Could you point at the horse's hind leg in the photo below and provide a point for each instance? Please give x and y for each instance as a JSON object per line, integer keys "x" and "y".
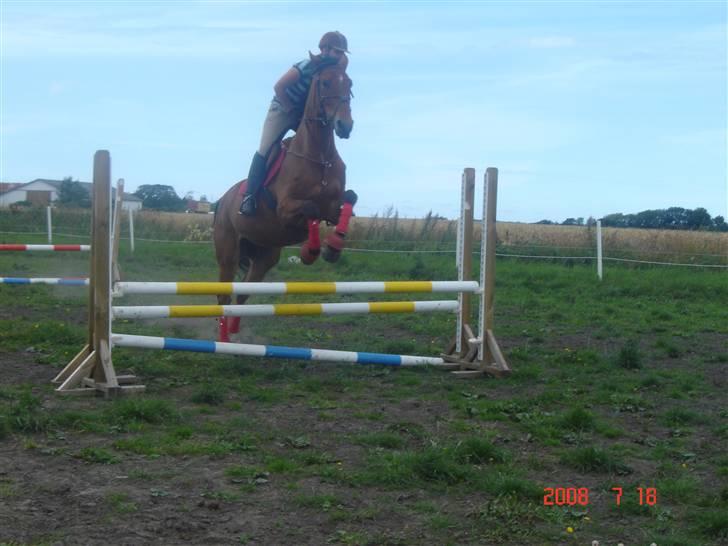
{"x": 247, "y": 252}
{"x": 261, "y": 261}
{"x": 227, "y": 253}
{"x": 265, "y": 259}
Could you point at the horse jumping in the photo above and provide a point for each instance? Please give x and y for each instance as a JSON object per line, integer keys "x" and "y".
{"x": 310, "y": 187}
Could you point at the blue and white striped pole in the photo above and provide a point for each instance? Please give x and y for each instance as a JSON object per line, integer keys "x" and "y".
{"x": 66, "y": 281}
{"x": 271, "y": 351}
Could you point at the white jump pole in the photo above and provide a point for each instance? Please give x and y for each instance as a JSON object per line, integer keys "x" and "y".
{"x": 49, "y": 224}
{"x": 464, "y": 249}
{"x": 131, "y": 229}
{"x": 487, "y": 264}
{"x": 599, "y": 249}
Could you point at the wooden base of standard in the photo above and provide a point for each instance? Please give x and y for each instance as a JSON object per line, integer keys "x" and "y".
{"x": 91, "y": 372}
{"x": 493, "y": 362}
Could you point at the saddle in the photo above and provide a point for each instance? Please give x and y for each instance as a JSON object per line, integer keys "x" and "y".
{"x": 273, "y": 167}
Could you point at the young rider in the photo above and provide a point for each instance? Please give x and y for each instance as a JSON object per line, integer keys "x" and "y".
{"x": 286, "y": 108}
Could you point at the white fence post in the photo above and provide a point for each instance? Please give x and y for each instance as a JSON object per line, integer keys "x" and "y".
{"x": 599, "y": 249}
{"x": 50, "y": 224}
{"x": 131, "y": 228}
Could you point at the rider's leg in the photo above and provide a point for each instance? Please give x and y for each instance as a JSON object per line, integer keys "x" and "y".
{"x": 256, "y": 175}
{"x": 277, "y": 123}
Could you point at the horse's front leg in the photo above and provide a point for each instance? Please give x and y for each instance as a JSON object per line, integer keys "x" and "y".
{"x": 294, "y": 212}
{"x": 311, "y": 249}
{"x": 335, "y": 240}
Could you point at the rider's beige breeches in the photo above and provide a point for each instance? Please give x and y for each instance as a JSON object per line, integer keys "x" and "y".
{"x": 277, "y": 123}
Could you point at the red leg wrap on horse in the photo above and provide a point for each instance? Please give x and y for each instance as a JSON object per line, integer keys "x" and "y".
{"x": 308, "y": 255}
{"x": 314, "y": 242}
{"x": 347, "y": 209}
{"x": 311, "y": 249}
{"x": 234, "y": 325}
{"x": 335, "y": 240}
{"x": 223, "y": 336}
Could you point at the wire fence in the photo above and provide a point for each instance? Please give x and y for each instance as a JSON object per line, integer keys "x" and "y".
{"x": 551, "y": 252}
{"x": 429, "y": 236}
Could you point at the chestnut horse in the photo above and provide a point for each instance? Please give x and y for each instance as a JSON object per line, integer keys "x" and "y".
{"x": 309, "y": 188}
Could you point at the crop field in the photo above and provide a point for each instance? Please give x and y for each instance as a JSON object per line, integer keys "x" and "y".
{"x": 389, "y": 231}
{"x": 613, "y": 426}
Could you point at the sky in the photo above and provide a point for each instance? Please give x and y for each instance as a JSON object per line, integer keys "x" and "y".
{"x": 586, "y": 108}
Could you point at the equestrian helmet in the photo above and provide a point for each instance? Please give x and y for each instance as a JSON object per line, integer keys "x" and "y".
{"x": 334, "y": 40}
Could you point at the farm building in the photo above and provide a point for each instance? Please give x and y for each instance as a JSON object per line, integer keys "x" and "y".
{"x": 202, "y": 206}
{"x": 43, "y": 192}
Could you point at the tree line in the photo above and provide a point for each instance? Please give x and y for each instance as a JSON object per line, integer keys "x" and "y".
{"x": 164, "y": 198}
{"x": 670, "y": 218}
{"x": 154, "y": 196}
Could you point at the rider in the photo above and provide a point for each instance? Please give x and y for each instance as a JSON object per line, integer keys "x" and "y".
{"x": 286, "y": 108}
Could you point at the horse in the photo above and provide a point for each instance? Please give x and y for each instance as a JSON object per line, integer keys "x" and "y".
{"x": 309, "y": 187}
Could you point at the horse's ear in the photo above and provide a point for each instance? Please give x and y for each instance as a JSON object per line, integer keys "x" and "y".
{"x": 311, "y": 56}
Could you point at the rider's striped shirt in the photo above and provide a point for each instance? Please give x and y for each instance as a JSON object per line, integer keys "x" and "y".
{"x": 298, "y": 92}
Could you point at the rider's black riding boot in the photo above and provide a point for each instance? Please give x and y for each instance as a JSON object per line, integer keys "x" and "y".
{"x": 255, "y": 180}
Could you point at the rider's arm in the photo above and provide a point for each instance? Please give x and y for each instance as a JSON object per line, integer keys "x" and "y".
{"x": 287, "y": 80}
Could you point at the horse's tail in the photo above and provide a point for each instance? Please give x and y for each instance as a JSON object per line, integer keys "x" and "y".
{"x": 215, "y": 207}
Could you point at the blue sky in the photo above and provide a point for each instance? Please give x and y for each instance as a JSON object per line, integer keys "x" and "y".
{"x": 586, "y": 108}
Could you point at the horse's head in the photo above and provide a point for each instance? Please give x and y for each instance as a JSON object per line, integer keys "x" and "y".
{"x": 333, "y": 91}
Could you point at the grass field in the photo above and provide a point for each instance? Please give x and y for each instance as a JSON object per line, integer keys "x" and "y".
{"x": 616, "y": 384}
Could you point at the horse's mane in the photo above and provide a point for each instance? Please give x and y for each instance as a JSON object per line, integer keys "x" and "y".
{"x": 320, "y": 62}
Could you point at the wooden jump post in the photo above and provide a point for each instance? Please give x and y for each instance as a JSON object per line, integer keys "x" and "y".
{"x": 477, "y": 354}
{"x": 91, "y": 371}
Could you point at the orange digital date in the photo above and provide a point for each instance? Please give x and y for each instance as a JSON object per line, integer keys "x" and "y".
{"x": 572, "y": 496}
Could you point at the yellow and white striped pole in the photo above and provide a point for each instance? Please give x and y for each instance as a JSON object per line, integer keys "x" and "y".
{"x": 280, "y": 309}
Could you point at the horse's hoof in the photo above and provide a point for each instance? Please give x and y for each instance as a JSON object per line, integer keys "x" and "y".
{"x": 335, "y": 241}
{"x": 309, "y": 255}
{"x": 331, "y": 255}
{"x": 334, "y": 245}
{"x": 350, "y": 196}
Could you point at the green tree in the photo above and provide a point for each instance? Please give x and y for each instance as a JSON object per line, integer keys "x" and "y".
{"x": 73, "y": 194}
{"x": 615, "y": 220}
{"x": 160, "y": 197}
{"x": 699, "y": 219}
{"x": 719, "y": 224}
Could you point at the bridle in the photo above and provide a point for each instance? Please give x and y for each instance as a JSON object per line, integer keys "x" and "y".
{"x": 322, "y": 118}
{"x": 324, "y": 121}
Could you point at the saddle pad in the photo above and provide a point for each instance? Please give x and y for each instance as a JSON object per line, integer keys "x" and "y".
{"x": 273, "y": 171}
